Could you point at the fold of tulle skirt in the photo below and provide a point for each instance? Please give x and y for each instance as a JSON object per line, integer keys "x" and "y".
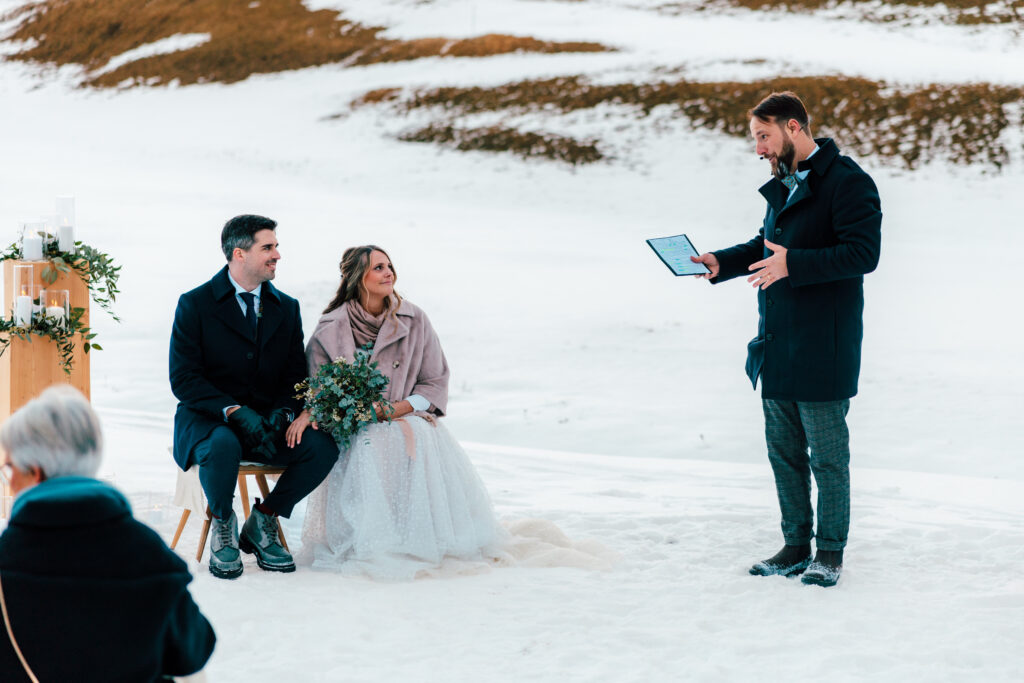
{"x": 405, "y": 501}
{"x": 401, "y": 499}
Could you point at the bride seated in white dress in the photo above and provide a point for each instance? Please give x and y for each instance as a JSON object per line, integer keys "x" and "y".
{"x": 405, "y": 495}
{"x": 404, "y": 500}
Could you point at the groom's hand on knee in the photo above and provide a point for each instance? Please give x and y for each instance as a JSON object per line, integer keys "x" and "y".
{"x": 278, "y": 421}
{"x": 266, "y": 450}
{"x": 253, "y": 430}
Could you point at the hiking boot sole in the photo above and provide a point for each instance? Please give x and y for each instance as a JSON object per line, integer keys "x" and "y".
{"x": 765, "y": 569}
{"x": 823, "y": 579}
{"x": 226, "y": 573}
{"x": 246, "y": 546}
{"x": 813, "y": 580}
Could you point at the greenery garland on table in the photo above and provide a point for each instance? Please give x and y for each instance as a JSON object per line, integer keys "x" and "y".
{"x": 95, "y": 268}
{"x": 63, "y": 333}
{"x": 100, "y": 275}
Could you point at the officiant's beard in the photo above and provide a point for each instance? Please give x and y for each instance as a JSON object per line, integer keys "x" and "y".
{"x": 782, "y": 164}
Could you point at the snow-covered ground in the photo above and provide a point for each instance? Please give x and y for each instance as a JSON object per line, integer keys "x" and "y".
{"x": 591, "y": 387}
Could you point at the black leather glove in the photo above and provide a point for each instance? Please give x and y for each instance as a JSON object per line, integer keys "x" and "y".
{"x": 278, "y": 420}
{"x": 254, "y": 431}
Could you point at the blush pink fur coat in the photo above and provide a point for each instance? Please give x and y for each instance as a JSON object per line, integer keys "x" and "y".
{"x": 407, "y": 351}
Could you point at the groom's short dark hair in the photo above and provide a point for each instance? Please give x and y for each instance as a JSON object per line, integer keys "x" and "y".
{"x": 238, "y": 232}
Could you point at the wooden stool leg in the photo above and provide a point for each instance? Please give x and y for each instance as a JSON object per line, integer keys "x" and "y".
{"x": 243, "y": 489}
{"x": 261, "y": 481}
{"x": 181, "y": 526}
{"x": 280, "y": 532}
{"x": 204, "y": 534}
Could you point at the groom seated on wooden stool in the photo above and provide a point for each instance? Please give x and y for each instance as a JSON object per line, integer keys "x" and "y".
{"x": 236, "y": 356}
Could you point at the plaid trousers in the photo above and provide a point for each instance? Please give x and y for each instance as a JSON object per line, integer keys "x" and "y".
{"x": 791, "y": 428}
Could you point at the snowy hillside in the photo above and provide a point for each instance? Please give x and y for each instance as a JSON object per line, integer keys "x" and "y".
{"x": 590, "y": 387}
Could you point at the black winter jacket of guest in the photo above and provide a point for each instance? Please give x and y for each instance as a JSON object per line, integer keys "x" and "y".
{"x": 216, "y": 362}
{"x": 808, "y": 343}
{"x": 92, "y": 594}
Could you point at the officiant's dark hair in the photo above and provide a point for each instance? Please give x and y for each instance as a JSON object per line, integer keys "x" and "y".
{"x": 354, "y": 263}
{"x": 780, "y": 107}
{"x": 239, "y": 231}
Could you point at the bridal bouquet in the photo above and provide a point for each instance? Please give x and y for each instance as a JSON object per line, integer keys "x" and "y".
{"x": 340, "y": 396}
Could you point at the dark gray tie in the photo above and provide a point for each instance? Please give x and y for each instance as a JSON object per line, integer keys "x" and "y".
{"x": 250, "y": 310}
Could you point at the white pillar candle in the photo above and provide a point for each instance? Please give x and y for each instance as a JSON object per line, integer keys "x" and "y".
{"x": 56, "y": 312}
{"x": 23, "y": 310}
{"x": 65, "y": 211}
{"x": 32, "y": 247}
{"x": 66, "y": 238}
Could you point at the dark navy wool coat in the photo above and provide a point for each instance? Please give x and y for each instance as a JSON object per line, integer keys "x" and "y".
{"x": 94, "y": 595}
{"x": 216, "y": 361}
{"x": 808, "y": 343}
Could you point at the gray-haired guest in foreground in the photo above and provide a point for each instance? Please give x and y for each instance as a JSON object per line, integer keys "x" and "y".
{"x": 821, "y": 234}
{"x": 89, "y": 593}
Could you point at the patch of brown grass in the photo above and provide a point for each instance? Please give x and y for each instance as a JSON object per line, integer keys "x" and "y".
{"x": 482, "y": 46}
{"x": 378, "y": 96}
{"x": 503, "y": 139}
{"x": 968, "y": 12}
{"x": 962, "y": 123}
{"x": 246, "y": 38}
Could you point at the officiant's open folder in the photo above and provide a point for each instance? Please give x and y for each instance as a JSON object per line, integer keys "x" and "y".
{"x": 675, "y": 252}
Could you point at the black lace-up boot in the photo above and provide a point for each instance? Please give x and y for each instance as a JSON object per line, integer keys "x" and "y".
{"x": 825, "y": 569}
{"x": 789, "y": 561}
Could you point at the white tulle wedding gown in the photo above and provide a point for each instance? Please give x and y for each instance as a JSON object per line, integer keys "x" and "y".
{"x": 403, "y": 501}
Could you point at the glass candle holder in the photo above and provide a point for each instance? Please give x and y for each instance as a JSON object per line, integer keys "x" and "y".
{"x": 65, "y": 206}
{"x": 65, "y": 224}
{"x": 32, "y": 240}
{"x": 48, "y": 229}
{"x": 24, "y": 294}
{"x": 56, "y": 304}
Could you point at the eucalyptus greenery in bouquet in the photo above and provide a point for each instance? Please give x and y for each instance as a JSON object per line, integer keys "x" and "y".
{"x": 340, "y": 396}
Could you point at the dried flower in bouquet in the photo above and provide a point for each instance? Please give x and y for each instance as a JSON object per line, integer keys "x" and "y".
{"x": 340, "y": 396}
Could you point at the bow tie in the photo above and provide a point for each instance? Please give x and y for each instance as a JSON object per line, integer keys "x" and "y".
{"x": 790, "y": 182}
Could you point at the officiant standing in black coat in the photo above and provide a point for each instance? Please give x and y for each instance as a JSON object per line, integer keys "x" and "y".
{"x": 821, "y": 234}
{"x": 236, "y": 355}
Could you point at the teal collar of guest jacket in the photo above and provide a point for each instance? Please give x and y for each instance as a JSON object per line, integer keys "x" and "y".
{"x": 226, "y": 297}
{"x": 64, "y": 502}
{"x": 779, "y": 196}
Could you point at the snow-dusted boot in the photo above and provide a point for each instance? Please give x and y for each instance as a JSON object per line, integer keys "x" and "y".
{"x": 789, "y": 561}
{"x": 825, "y": 569}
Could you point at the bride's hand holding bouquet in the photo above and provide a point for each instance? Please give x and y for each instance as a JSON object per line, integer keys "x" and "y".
{"x": 342, "y": 397}
{"x": 391, "y": 411}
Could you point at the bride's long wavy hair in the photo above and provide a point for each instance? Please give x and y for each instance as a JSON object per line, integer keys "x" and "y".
{"x": 354, "y": 263}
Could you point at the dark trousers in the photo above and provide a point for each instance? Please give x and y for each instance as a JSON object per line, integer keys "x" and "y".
{"x": 805, "y": 438}
{"x": 308, "y": 464}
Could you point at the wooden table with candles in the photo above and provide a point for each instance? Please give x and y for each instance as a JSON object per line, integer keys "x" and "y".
{"x": 28, "y": 367}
